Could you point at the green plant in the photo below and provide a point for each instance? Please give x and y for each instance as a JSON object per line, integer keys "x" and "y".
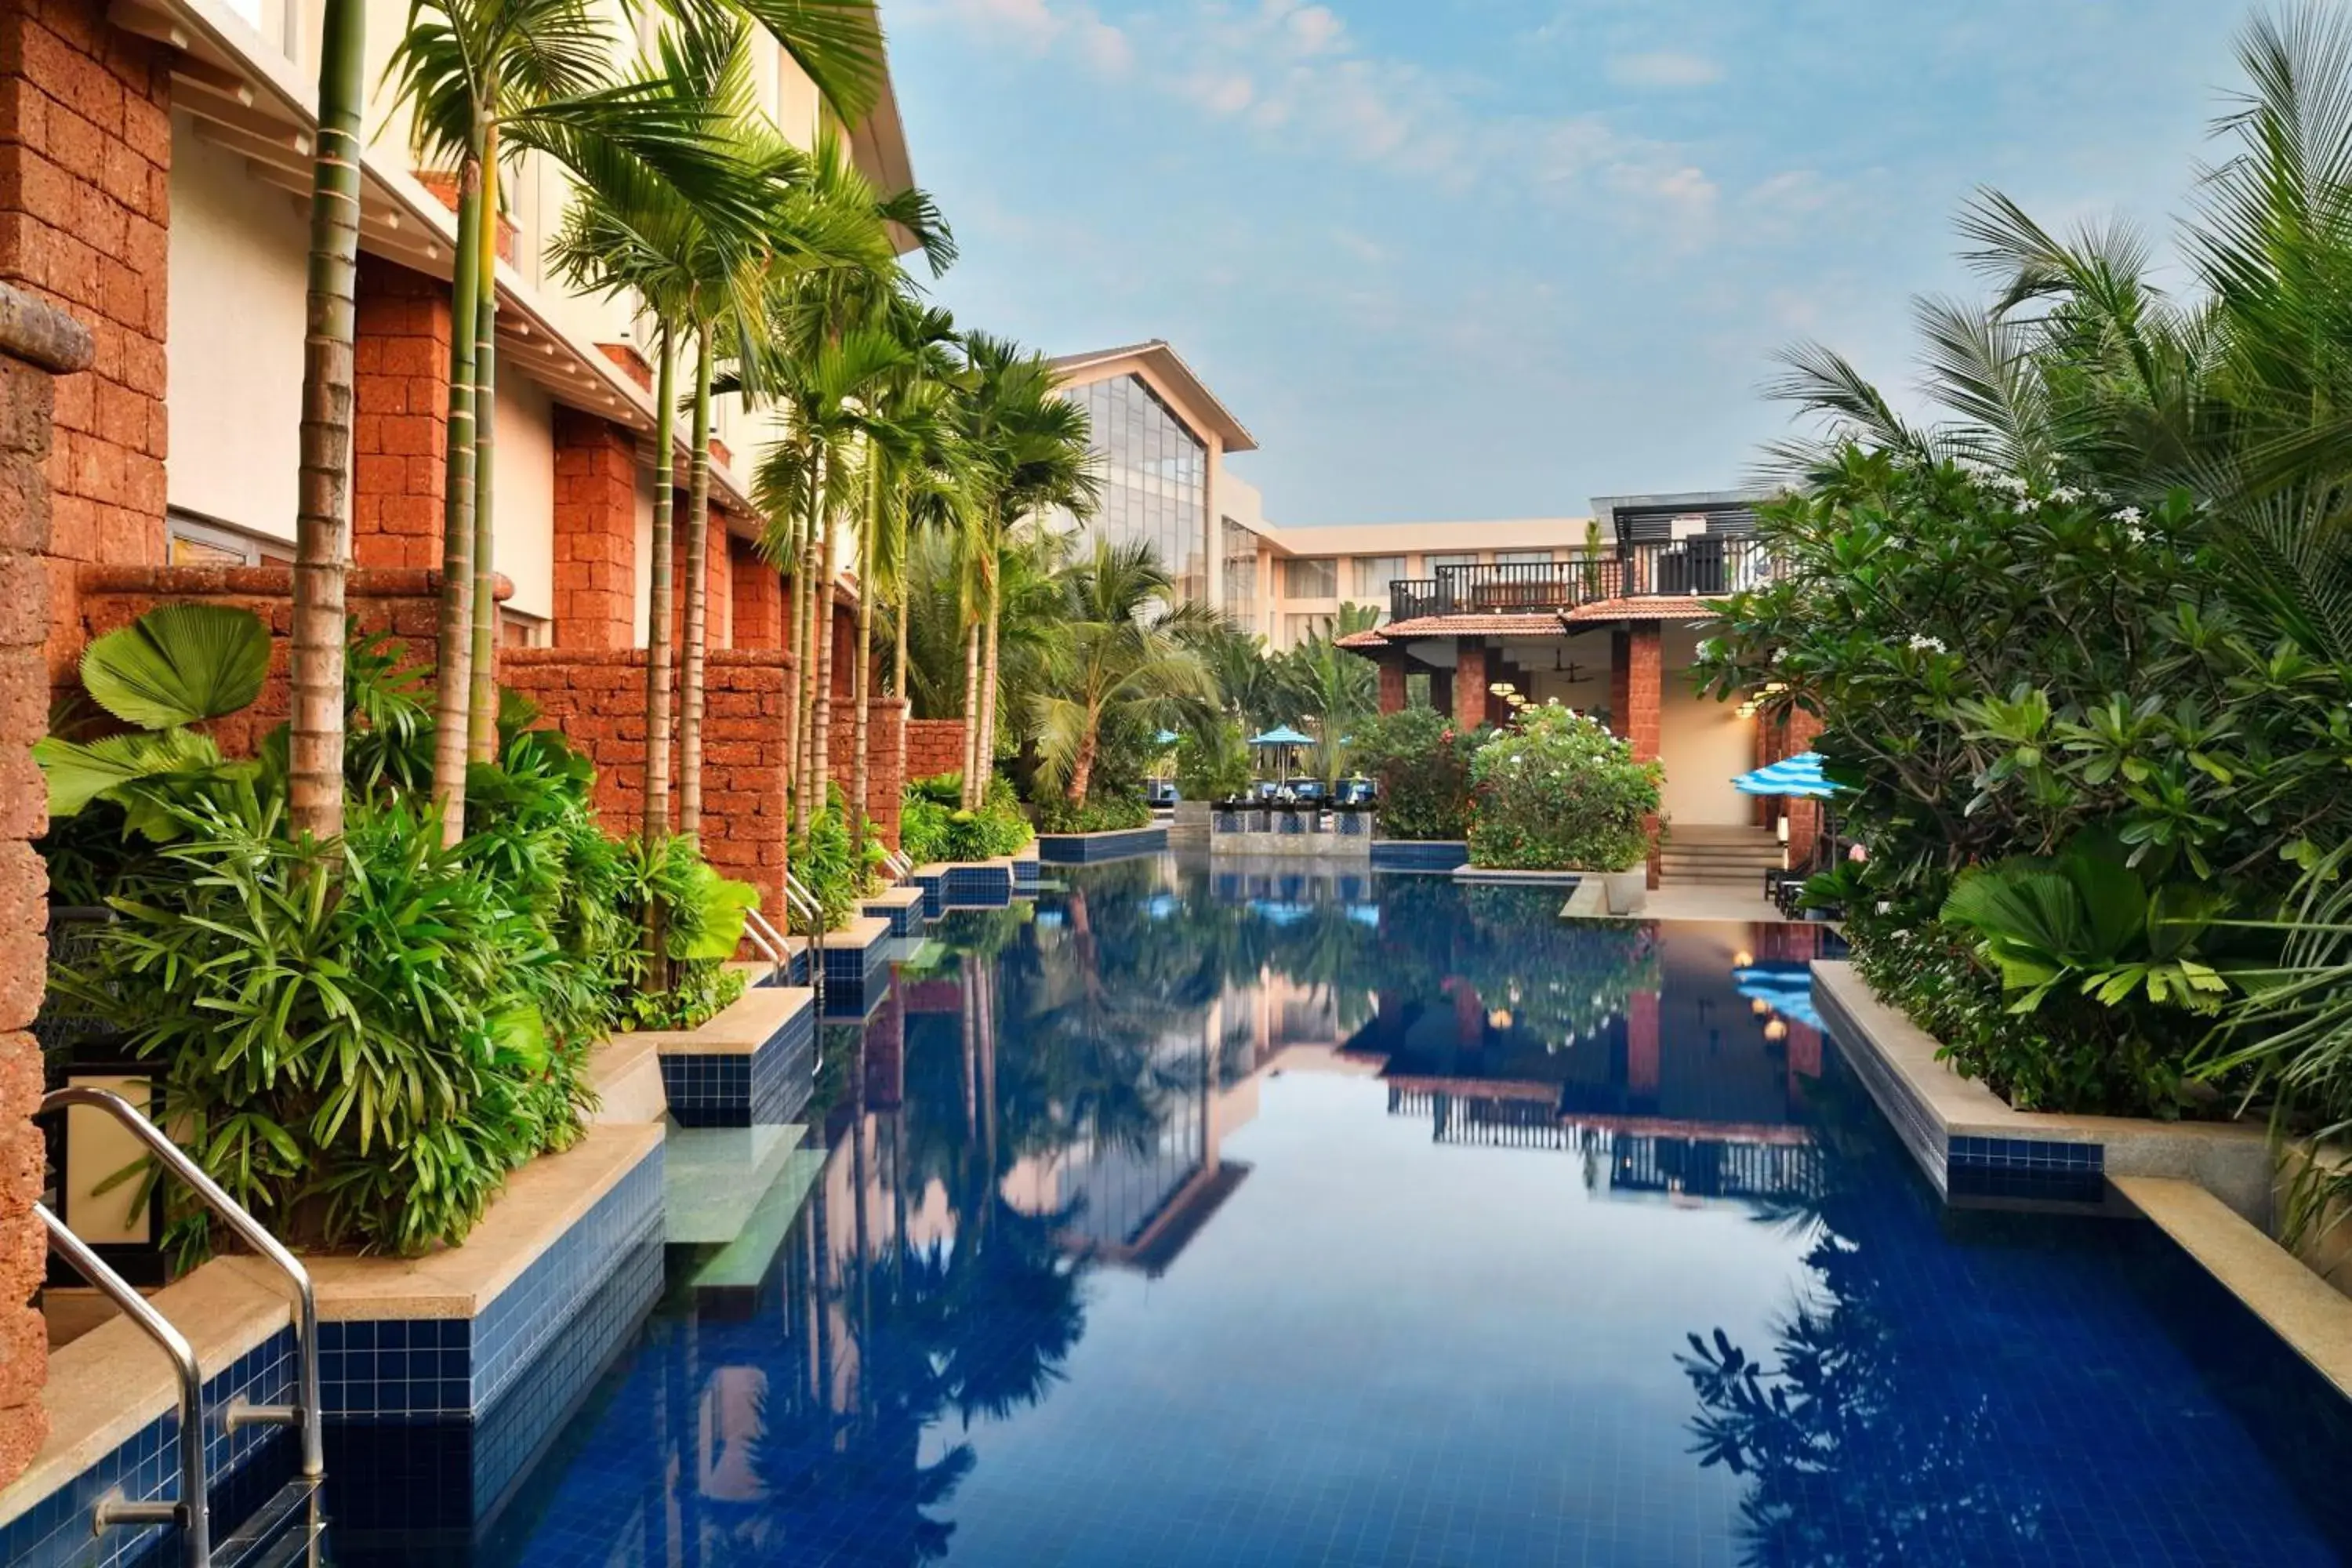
{"x": 1558, "y": 790}
{"x": 1423, "y": 763}
{"x": 337, "y": 1031}
{"x": 1099, "y": 814}
{"x": 2089, "y": 918}
{"x": 704, "y": 988}
{"x": 1212, "y": 759}
{"x": 933, "y": 827}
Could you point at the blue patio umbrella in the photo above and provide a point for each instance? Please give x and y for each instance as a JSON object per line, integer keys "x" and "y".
{"x": 1282, "y": 735}
{"x": 1797, "y": 775}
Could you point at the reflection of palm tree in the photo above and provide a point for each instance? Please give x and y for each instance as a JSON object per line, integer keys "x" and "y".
{"x": 1855, "y": 1454}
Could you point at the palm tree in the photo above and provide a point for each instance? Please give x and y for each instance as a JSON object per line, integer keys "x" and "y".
{"x": 1124, "y": 646}
{"x": 322, "y": 524}
{"x": 1032, "y": 454}
{"x": 1332, "y": 688}
{"x": 493, "y": 77}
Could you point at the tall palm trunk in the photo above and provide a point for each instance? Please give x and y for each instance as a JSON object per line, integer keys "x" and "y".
{"x": 482, "y": 698}
{"x": 862, "y": 677}
{"x": 821, "y": 741}
{"x": 899, "y": 666}
{"x": 698, "y": 600}
{"x": 971, "y": 792}
{"x": 452, "y": 650}
{"x": 989, "y": 677}
{"x": 657, "y": 614}
{"x": 322, "y": 523}
{"x": 792, "y": 575}
{"x": 1082, "y": 771}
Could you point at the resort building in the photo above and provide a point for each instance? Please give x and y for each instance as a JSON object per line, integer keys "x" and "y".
{"x": 155, "y": 183}
{"x": 1161, "y": 439}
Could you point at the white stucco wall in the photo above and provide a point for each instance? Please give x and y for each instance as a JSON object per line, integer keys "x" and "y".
{"x": 524, "y": 485}
{"x": 1703, "y": 743}
{"x": 234, "y": 351}
{"x": 643, "y": 598}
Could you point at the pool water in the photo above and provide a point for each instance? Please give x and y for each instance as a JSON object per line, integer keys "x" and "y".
{"x": 1223, "y": 1218}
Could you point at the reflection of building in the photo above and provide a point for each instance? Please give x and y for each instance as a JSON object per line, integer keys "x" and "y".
{"x": 1687, "y": 1092}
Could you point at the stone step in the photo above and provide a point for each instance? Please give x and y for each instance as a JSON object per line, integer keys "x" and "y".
{"x": 743, "y": 1262}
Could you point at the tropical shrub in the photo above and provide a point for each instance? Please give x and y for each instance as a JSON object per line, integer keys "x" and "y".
{"x": 1212, "y": 761}
{"x": 1098, "y": 813}
{"x": 932, "y": 827}
{"x": 362, "y": 1037}
{"x": 1423, "y": 764}
{"x": 1557, "y": 790}
{"x": 2010, "y": 668}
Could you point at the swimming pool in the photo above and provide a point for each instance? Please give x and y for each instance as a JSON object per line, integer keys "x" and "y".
{"x": 1240, "y": 1218}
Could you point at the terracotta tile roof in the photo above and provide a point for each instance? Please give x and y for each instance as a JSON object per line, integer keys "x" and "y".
{"x": 1648, "y": 607}
{"x": 1525, "y": 625}
{"x": 1360, "y": 639}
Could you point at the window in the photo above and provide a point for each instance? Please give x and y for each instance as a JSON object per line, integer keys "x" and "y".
{"x": 1296, "y": 629}
{"x": 1523, "y": 558}
{"x": 1374, "y": 573}
{"x": 1155, "y": 475}
{"x": 1241, "y": 574}
{"x": 198, "y": 542}
{"x": 1430, "y": 564}
{"x": 1312, "y": 577}
{"x": 518, "y": 630}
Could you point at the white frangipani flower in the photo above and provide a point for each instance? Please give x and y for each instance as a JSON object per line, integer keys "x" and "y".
{"x": 1922, "y": 644}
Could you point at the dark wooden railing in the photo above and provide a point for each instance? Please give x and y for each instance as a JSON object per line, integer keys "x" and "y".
{"x": 1701, "y": 568}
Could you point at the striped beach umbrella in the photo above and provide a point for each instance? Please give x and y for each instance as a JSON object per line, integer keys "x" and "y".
{"x": 1797, "y": 775}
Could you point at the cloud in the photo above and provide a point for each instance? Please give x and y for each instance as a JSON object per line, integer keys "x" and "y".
{"x": 1663, "y": 68}
{"x": 1293, "y": 73}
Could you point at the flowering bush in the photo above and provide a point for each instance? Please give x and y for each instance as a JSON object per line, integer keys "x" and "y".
{"x": 2007, "y": 668}
{"x": 1423, "y": 763}
{"x": 1559, "y": 791}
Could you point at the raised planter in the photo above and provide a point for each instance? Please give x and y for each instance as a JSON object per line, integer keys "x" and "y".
{"x": 463, "y": 1364}
{"x": 857, "y": 967}
{"x": 750, "y": 1066}
{"x": 902, "y": 906}
{"x": 1972, "y": 1145}
{"x": 1419, "y": 854}
{"x": 1087, "y": 848}
{"x": 1190, "y": 822}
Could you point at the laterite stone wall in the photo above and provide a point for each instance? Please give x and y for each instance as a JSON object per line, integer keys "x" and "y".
{"x": 36, "y": 343}
{"x": 84, "y": 226}
{"x": 934, "y": 746}
{"x": 404, "y": 602}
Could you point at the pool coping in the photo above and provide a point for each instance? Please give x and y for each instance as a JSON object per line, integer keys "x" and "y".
{"x": 2311, "y": 1316}
{"x": 1945, "y": 1120}
{"x": 1090, "y": 848}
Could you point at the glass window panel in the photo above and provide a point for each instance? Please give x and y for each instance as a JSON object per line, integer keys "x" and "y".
{"x": 1312, "y": 577}
{"x": 1373, "y": 575}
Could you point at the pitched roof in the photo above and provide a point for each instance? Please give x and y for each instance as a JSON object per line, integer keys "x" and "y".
{"x": 1535, "y": 625}
{"x": 1647, "y": 607}
{"x": 1360, "y": 639}
{"x": 1170, "y": 365}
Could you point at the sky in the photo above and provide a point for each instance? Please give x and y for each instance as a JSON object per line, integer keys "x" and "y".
{"x": 1488, "y": 258}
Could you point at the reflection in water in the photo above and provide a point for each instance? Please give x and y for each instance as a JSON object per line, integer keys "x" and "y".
{"x": 954, "y": 1353}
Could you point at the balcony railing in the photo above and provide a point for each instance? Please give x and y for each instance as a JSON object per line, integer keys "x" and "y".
{"x": 1702, "y": 568}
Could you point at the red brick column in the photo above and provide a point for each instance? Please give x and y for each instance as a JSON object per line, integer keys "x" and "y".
{"x": 1392, "y": 688}
{"x": 1804, "y": 815}
{"x": 400, "y": 424}
{"x": 1470, "y": 678}
{"x": 84, "y": 223}
{"x": 35, "y": 344}
{"x": 596, "y": 533}
{"x": 759, "y": 595}
{"x": 1639, "y": 654}
{"x": 718, "y": 581}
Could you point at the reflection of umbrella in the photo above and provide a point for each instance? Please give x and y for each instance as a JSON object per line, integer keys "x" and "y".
{"x": 1786, "y": 988}
{"x": 1797, "y": 775}
{"x": 1282, "y": 735}
{"x": 1166, "y": 738}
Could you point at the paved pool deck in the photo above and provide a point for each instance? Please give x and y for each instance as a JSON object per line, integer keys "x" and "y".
{"x": 1703, "y": 902}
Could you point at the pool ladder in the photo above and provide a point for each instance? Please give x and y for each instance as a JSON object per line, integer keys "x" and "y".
{"x": 266, "y": 1534}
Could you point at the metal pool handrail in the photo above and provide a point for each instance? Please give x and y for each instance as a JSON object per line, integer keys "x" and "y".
{"x": 763, "y": 935}
{"x": 190, "y": 1513}
{"x": 304, "y": 1413}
